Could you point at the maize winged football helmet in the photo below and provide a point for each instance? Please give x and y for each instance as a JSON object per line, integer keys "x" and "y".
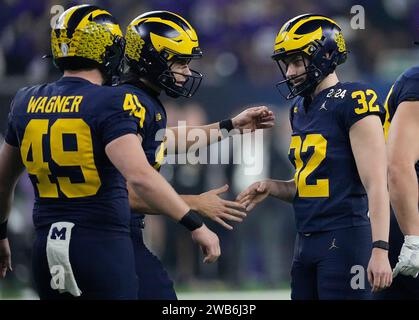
{"x": 155, "y": 40}
{"x": 319, "y": 40}
{"x": 86, "y": 36}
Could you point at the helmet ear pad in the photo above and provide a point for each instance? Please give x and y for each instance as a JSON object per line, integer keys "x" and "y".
{"x": 157, "y": 64}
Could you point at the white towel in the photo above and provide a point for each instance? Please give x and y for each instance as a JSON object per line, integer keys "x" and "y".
{"x": 58, "y": 245}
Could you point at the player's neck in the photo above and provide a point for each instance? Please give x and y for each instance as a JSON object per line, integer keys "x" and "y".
{"x": 94, "y": 76}
{"x": 150, "y": 85}
{"x": 330, "y": 81}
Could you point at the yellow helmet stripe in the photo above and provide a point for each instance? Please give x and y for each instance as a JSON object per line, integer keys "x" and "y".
{"x": 186, "y": 22}
{"x": 141, "y": 18}
{"x": 62, "y": 22}
{"x": 181, "y": 44}
{"x": 312, "y": 18}
{"x": 289, "y": 22}
{"x": 191, "y": 32}
{"x": 283, "y": 38}
{"x": 182, "y": 47}
{"x": 114, "y": 28}
{"x": 302, "y": 21}
{"x": 171, "y": 45}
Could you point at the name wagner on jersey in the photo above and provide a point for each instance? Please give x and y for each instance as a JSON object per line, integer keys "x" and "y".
{"x": 54, "y": 104}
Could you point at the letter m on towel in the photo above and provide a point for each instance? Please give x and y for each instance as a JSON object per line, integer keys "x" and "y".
{"x": 58, "y": 233}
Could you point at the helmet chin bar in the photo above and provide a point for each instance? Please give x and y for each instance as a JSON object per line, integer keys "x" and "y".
{"x": 167, "y": 81}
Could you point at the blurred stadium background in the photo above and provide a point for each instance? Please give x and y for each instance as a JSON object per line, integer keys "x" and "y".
{"x": 237, "y": 38}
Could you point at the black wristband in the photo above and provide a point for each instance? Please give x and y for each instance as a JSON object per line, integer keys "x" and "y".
{"x": 226, "y": 124}
{"x": 3, "y": 230}
{"x": 191, "y": 220}
{"x": 380, "y": 244}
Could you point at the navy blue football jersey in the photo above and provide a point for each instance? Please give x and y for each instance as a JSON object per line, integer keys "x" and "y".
{"x": 152, "y": 122}
{"x": 406, "y": 88}
{"x": 61, "y": 129}
{"x": 330, "y": 194}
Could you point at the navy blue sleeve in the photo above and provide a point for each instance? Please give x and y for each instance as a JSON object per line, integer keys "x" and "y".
{"x": 11, "y": 136}
{"x": 360, "y": 101}
{"x": 408, "y": 90}
{"x": 141, "y": 107}
{"x": 144, "y": 114}
{"x": 116, "y": 120}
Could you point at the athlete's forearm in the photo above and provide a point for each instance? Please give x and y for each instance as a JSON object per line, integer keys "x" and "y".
{"x": 283, "y": 190}
{"x": 379, "y": 211}
{"x": 6, "y": 200}
{"x": 403, "y": 154}
{"x": 153, "y": 188}
{"x": 192, "y": 200}
{"x": 129, "y": 158}
{"x": 180, "y": 139}
{"x": 367, "y": 139}
{"x": 10, "y": 169}
{"x": 138, "y": 204}
{"x": 374, "y": 180}
{"x": 403, "y": 187}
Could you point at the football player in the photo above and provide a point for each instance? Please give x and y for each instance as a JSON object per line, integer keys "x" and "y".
{"x": 339, "y": 191}
{"x": 159, "y": 47}
{"x": 79, "y": 144}
{"x": 401, "y": 130}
